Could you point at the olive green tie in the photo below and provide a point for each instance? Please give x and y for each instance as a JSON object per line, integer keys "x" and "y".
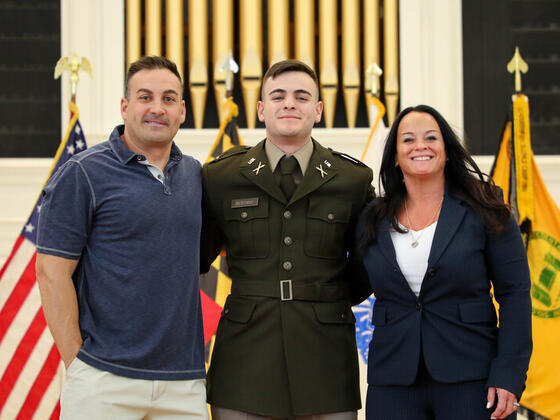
{"x": 288, "y": 165}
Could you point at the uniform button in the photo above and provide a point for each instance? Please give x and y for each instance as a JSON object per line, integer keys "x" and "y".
{"x": 244, "y": 214}
{"x": 159, "y": 177}
{"x": 287, "y": 265}
{"x": 226, "y": 311}
{"x": 418, "y": 306}
{"x": 287, "y": 214}
{"x": 288, "y": 240}
{"x": 330, "y": 216}
{"x": 343, "y": 316}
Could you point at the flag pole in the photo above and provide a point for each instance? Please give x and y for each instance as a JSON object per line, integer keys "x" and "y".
{"x": 517, "y": 65}
{"x": 229, "y": 66}
{"x": 373, "y": 74}
{"x": 73, "y": 65}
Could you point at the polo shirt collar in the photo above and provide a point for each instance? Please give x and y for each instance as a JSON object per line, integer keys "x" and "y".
{"x": 125, "y": 155}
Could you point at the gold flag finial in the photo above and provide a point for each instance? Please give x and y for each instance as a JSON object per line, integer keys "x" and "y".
{"x": 517, "y": 65}
{"x": 74, "y": 65}
{"x": 373, "y": 73}
{"x": 229, "y": 66}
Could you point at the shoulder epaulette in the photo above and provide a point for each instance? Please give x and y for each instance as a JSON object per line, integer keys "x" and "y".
{"x": 348, "y": 157}
{"x": 236, "y": 150}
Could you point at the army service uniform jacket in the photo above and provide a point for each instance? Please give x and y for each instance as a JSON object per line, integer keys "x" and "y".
{"x": 285, "y": 344}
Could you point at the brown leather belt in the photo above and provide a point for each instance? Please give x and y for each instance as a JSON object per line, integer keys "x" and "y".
{"x": 288, "y": 290}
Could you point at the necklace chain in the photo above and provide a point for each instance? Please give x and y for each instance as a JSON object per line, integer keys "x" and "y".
{"x": 414, "y": 243}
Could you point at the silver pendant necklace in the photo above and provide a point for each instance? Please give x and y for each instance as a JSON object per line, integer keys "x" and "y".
{"x": 415, "y": 240}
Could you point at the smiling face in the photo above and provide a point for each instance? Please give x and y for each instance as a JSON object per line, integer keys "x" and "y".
{"x": 153, "y": 109}
{"x": 290, "y": 107}
{"x": 420, "y": 146}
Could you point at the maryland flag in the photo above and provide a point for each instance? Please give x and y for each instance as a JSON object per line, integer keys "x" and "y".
{"x": 516, "y": 172}
{"x": 215, "y": 286}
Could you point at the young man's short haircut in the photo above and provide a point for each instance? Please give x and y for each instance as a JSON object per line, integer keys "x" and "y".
{"x": 151, "y": 62}
{"x": 287, "y": 66}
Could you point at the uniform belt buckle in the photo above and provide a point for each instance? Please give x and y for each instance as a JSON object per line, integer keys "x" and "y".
{"x": 286, "y": 290}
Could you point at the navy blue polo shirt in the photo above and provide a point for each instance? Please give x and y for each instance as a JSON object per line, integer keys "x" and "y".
{"x": 137, "y": 242}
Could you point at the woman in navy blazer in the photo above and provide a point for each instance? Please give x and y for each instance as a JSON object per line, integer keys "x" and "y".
{"x": 432, "y": 248}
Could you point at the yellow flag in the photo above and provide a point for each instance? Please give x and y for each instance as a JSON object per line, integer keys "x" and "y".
{"x": 525, "y": 190}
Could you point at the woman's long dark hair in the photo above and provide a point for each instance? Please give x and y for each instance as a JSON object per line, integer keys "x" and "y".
{"x": 463, "y": 180}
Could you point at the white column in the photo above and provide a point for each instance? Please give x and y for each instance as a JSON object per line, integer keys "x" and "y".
{"x": 94, "y": 29}
{"x": 431, "y": 57}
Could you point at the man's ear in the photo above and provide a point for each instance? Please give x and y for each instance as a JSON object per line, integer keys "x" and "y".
{"x": 183, "y": 112}
{"x": 319, "y": 111}
{"x": 124, "y": 107}
{"x": 260, "y": 111}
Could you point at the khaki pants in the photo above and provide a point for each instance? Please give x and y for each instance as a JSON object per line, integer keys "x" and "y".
{"x": 90, "y": 393}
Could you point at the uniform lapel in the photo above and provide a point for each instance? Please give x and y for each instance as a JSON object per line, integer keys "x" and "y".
{"x": 450, "y": 217}
{"x": 321, "y": 169}
{"x": 256, "y": 168}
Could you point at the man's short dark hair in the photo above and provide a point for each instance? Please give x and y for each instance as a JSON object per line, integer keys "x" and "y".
{"x": 286, "y": 66}
{"x": 151, "y": 62}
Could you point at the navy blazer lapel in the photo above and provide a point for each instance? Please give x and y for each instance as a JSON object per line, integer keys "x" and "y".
{"x": 450, "y": 217}
{"x": 385, "y": 243}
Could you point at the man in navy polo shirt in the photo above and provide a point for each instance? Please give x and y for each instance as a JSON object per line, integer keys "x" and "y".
{"x": 118, "y": 263}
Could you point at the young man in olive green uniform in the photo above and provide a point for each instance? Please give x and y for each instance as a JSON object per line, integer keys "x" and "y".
{"x": 285, "y": 210}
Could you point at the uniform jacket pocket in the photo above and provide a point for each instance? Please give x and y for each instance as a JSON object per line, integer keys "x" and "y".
{"x": 248, "y": 226}
{"x": 238, "y": 310}
{"x": 326, "y": 225}
{"x": 334, "y": 313}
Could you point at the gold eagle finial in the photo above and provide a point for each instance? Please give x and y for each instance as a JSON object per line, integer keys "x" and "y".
{"x": 74, "y": 65}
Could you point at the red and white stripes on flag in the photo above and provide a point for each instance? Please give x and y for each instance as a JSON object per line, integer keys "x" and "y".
{"x": 30, "y": 365}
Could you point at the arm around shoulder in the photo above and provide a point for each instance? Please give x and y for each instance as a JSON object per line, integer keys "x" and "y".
{"x": 211, "y": 238}
{"x": 356, "y": 273}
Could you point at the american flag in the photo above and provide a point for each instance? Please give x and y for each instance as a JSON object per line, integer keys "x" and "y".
{"x": 30, "y": 365}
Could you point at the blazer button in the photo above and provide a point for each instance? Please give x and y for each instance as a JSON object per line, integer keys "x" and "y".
{"x": 431, "y": 272}
{"x": 287, "y": 265}
{"x": 418, "y": 306}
